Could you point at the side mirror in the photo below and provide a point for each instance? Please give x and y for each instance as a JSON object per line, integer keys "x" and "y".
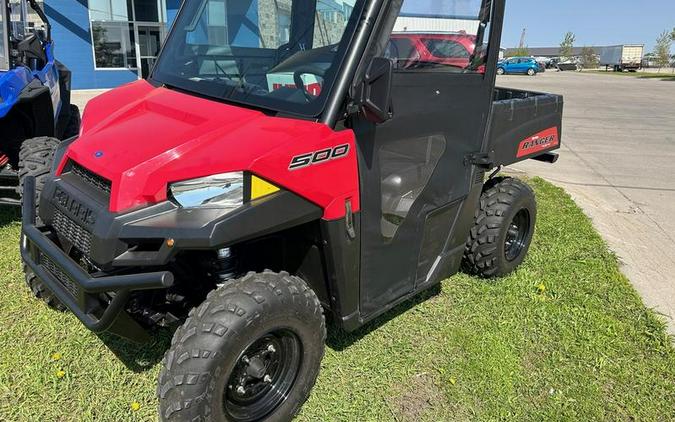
{"x": 376, "y": 101}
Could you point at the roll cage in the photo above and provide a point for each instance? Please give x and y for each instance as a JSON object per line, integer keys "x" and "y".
{"x": 15, "y": 33}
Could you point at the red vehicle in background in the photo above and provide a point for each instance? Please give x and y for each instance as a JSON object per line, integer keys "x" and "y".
{"x": 415, "y": 49}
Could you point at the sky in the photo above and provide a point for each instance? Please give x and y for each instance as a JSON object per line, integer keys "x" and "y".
{"x": 595, "y": 22}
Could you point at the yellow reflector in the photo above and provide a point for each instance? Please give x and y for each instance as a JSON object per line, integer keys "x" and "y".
{"x": 260, "y": 188}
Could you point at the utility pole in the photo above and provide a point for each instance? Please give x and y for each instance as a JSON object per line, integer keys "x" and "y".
{"x": 522, "y": 39}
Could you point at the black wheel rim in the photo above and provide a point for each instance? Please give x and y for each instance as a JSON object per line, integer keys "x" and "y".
{"x": 263, "y": 376}
{"x": 516, "y": 235}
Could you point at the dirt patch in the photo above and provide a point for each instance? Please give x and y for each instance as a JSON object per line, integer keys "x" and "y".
{"x": 421, "y": 394}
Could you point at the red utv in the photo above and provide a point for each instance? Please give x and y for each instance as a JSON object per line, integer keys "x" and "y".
{"x": 277, "y": 169}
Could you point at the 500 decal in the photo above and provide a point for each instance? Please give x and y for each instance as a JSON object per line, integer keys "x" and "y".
{"x": 318, "y": 157}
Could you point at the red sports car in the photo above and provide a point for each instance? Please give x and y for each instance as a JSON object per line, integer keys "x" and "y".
{"x": 423, "y": 49}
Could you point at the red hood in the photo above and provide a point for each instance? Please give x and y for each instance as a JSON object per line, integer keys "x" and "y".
{"x": 142, "y": 138}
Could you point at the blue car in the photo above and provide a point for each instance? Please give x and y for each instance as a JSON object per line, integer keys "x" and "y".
{"x": 35, "y": 109}
{"x": 522, "y": 65}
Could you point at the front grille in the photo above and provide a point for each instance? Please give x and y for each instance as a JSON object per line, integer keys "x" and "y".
{"x": 91, "y": 178}
{"x": 58, "y": 273}
{"x": 75, "y": 234}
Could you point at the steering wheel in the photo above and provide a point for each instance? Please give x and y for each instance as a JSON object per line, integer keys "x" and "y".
{"x": 304, "y": 70}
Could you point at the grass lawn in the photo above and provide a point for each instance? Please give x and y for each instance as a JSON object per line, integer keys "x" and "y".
{"x": 564, "y": 338}
{"x": 666, "y": 74}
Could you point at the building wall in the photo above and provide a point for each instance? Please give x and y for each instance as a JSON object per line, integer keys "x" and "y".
{"x": 71, "y": 31}
{"x": 423, "y": 24}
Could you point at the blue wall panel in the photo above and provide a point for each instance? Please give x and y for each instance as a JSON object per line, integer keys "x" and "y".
{"x": 172, "y": 7}
{"x": 72, "y": 36}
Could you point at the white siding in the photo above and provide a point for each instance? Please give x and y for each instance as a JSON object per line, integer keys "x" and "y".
{"x": 410, "y": 24}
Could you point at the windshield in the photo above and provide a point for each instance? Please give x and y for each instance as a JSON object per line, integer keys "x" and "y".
{"x": 282, "y": 55}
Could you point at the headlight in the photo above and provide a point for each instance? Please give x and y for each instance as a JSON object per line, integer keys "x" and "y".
{"x": 221, "y": 190}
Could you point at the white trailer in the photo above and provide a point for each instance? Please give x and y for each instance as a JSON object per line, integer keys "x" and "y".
{"x": 622, "y": 57}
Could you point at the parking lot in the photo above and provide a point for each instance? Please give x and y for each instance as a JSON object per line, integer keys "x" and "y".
{"x": 617, "y": 163}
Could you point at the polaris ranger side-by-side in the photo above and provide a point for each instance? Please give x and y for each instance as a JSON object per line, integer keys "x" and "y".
{"x": 285, "y": 161}
{"x": 35, "y": 109}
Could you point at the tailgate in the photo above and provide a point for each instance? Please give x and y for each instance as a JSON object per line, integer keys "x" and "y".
{"x": 524, "y": 125}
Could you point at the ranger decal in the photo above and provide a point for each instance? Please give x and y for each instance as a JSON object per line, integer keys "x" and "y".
{"x": 540, "y": 142}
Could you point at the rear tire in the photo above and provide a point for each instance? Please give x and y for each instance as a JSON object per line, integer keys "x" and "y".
{"x": 251, "y": 351}
{"x": 503, "y": 229}
{"x": 500, "y": 71}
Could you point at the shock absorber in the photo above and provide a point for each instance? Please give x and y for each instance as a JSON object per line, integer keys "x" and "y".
{"x": 226, "y": 264}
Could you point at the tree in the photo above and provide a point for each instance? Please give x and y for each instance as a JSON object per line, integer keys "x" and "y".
{"x": 662, "y": 49}
{"x": 672, "y": 35}
{"x": 567, "y": 45}
{"x": 519, "y": 52}
{"x": 588, "y": 58}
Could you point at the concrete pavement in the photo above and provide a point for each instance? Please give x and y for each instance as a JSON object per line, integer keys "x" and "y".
{"x": 618, "y": 163}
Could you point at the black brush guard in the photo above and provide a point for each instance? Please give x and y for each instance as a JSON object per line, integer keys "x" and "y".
{"x": 82, "y": 294}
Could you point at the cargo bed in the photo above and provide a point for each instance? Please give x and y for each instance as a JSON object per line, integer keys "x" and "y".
{"x": 524, "y": 125}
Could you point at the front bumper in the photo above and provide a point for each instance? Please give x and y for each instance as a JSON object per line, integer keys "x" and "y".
{"x": 74, "y": 287}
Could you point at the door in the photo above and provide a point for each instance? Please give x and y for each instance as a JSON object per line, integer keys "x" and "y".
{"x": 413, "y": 168}
{"x": 149, "y": 41}
{"x": 4, "y": 37}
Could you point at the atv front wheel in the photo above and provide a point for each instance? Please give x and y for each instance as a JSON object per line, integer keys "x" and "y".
{"x": 250, "y": 352}
{"x": 41, "y": 292}
{"x": 503, "y": 228}
{"x": 35, "y": 159}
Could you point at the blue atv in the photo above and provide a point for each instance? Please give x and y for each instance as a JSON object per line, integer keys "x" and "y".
{"x": 35, "y": 109}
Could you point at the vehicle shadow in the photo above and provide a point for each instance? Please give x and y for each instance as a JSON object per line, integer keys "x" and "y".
{"x": 139, "y": 357}
{"x": 9, "y": 215}
{"x": 339, "y": 340}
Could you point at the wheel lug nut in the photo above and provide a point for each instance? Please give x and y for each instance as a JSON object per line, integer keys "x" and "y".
{"x": 245, "y": 359}
{"x": 241, "y": 390}
{"x": 271, "y": 349}
{"x": 267, "y": 379}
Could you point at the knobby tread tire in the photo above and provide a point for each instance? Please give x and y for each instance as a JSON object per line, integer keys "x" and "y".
{"x": 35, "y": 159}
{"x": 40, "y": 291}
{"x": 502, "y": 198}
{"x": 201, "y": 354}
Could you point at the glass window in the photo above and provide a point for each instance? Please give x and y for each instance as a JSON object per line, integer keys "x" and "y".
{"x": 444, "y": 48}
{"x": 114, "y": 44}
{"x": 447, "y": 35}
{"x": 148, "y": 10}
{"x": 110, "y": 10}
{"x": 331, "y": 19}
{"x": 4, "y": 62}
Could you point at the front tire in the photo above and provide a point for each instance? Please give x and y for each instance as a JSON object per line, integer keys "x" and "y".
{"x": 251, "y": 351}
{"x": 503, "y": 229}
{"x": 531, "y": 72}
{"x": 35, "y": 159}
